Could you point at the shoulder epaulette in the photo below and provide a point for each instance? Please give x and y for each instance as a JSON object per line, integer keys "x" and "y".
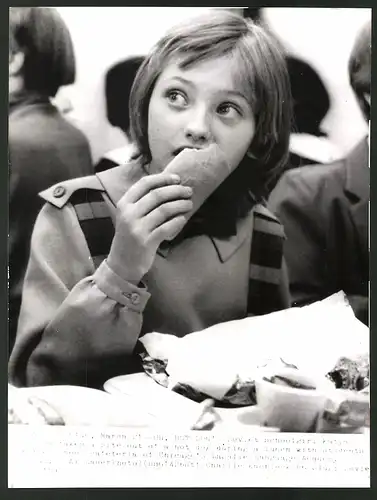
{"x": 93, "y": 214}
{"x": 59, "y": 194}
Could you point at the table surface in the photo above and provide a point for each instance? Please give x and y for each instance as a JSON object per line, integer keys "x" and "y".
{"x": 138, "y": 401}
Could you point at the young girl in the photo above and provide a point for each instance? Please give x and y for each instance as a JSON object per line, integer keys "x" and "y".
{"x": 90, "y": 291}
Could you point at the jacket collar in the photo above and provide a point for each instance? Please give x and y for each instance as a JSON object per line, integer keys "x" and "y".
{"x": 357, "y": 171}
{"x": 225, "y": 247}
{"x": 118, "y": 180}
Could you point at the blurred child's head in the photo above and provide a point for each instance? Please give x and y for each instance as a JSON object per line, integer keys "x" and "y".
{"x": 41, "y": 53}
{"x": 237, "y": 94}
{"x": 118, "y": 83}
{"x": 359, "y": 68}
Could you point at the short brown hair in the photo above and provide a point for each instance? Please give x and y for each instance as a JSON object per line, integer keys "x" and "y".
{"x": 41, "y": 34}
{"x": 359, "y": 67}
{"x": 262, "y": 73}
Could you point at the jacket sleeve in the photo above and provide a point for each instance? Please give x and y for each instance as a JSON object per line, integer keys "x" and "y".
{"x": 77, "y": 326}
{"x": 298, "y": 204}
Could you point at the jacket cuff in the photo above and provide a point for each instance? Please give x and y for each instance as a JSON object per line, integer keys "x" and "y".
{"x": 118, "y": 289}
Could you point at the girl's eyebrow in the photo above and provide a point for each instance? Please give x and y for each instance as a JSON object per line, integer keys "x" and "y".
{"x": 183, "y": 80}
{"x": 234, "y": 93}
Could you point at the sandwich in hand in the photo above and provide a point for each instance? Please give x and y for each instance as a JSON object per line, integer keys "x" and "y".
{"x": 201, "y": 169}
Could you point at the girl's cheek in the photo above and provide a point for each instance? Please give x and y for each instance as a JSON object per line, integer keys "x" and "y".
{"x": 173, "y": 121}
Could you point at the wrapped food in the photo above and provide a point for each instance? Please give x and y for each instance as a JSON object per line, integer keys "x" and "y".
{"x": 345, "y": 410}
{"x": 351, "y": 373}
{"x": 292, "y": 378}
{"x": 224, "y": 360}
{"x": 201, "y": 169}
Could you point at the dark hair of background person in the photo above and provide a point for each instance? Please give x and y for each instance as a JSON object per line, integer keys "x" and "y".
{"x": 118, "y": 83}
{"x": 49, "y": 60}
{"x": 359, "y": 68}
{"x": 311, "y": 101}
{"x": 253, "y": 13}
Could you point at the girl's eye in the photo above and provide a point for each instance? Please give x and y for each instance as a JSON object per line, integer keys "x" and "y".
{"x": 228, "y": 110}
{"x": 176, "y": 98}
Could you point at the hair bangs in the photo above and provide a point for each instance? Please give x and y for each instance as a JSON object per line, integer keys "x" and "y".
{"x": 196, "y": 55}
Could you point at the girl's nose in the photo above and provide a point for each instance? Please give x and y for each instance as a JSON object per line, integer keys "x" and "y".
{"x": 198, "y": 127}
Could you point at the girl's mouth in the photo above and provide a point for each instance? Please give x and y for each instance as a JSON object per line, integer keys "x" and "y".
{"x": 179, "y": 150}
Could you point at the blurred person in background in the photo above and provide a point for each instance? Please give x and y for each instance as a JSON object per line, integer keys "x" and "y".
{"x": 324, "y": 210}
{"x": 118, "y": 84}
{"x": 308, "y": 144}
{"x": 43, "y": 147}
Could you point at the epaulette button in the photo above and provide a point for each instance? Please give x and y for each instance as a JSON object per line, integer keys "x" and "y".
{"x": 59, "y": 191}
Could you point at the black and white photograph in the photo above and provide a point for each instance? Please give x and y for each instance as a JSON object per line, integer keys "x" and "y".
{"x": 188, "y": 247}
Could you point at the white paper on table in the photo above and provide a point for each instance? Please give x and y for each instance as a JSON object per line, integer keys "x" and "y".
{"x": 312, "y": 338}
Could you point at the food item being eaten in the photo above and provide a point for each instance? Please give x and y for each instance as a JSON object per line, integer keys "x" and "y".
{"x": 201, "y": 169}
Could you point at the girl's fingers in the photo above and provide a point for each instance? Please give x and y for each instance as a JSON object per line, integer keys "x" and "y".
{"x": 161, "y": 196}
{"x": 169, "y": 229}
{"x": 148, "y": 183}
{"x": 165, "y": 212}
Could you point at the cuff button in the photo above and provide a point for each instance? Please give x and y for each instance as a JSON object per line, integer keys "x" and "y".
{"x": 135, "y": 298}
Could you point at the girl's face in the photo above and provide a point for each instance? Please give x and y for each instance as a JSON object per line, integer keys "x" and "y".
{"x": 195, "y": 107}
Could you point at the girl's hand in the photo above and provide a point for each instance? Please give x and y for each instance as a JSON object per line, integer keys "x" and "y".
{"x": 150, "y": 212}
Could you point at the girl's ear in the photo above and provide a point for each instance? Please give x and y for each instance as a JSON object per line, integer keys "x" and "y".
{"x": 16, "y": 62}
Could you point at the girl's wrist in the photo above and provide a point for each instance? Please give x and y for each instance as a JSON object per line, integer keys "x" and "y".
{"x": 131, "y": 275}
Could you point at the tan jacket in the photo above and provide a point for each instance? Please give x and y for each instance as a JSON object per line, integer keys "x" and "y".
{"x": 79, "y": 325}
